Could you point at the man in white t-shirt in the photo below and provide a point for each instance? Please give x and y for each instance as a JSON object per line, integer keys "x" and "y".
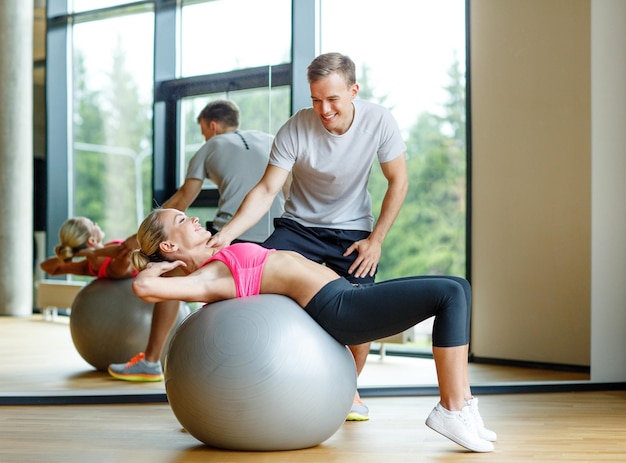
{"x": 329, "y": 150}
{"x": 235, "y": 161}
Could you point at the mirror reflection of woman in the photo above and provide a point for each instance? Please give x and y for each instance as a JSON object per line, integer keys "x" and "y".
{"x": 80, "y": 237}
{"x": 176, "y": 263}
{"x": 82, "y": 251}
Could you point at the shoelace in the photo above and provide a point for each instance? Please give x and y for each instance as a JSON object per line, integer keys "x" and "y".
{"x": 136, "y": 359}
{"x": 468, "y": 422}
{"x": 478, "y": 418}
{"x": 476, "y": 414}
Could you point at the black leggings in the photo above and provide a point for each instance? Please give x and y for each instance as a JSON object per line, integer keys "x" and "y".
{"x": 358, "y": 314}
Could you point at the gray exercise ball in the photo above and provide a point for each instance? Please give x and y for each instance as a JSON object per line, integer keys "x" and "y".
{"x": 258, "y": 373}
{"x": 110, "y": 324}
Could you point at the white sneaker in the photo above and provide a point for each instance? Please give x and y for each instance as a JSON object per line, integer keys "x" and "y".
{"x": 459, "y": 427}
{"x": 483, "y": 432}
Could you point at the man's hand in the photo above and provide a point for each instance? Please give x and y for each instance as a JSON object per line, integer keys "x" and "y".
{"x": 219, "y": 241}
{"x": 367, "y": 261}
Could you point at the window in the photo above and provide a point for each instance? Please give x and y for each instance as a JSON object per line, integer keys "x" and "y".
{"x": 112, "y": 121}
{"x": 124, "y": 149}
{"x": 89, "y": 5}
{"x": 410, "y": 57}
{"x": 225, "y": 35}
{"x": 261, "y": 109}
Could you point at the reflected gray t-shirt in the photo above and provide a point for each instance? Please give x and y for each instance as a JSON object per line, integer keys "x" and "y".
{"x": 235, "y": 162}
{"x": 331, "y": 172}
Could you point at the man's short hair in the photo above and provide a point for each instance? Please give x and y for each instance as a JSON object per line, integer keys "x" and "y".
{"x": 324, "y": 65}
{"x": 225, "y": 112}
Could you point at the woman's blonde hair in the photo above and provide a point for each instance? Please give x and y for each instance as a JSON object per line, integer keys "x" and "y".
{"x": 149, "y": 236}
{"x": 73, "y": 236}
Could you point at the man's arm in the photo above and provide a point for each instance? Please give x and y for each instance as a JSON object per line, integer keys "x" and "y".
{"x": 185, "y": 195}
{"x": 370, "y": 249}
{"x": 287, "y": 185}
{"x": 180, "y": 200}
{"x": 256, "y": 203}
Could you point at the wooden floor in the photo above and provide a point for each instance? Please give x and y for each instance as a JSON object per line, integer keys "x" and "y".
{"x": 38, "y": 358}
{"x": 552, "y": 427}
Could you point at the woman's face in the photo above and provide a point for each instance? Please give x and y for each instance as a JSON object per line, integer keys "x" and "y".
{"x": 96, "y": 234}
{"x": 185, "y": 232}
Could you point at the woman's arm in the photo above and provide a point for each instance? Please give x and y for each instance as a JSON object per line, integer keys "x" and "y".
{"x": 118, "y": 267}
{"x": 110, "y": 250}
{"x": 54, "y": 266}
{"x": 152, "y": 284}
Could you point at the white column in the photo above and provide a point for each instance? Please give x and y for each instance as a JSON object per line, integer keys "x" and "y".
{"x": 16, "y": 158}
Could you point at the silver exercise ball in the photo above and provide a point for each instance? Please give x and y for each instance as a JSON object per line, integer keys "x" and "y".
{"x": 258, "y": 373}
{"x": 110, "y": 324}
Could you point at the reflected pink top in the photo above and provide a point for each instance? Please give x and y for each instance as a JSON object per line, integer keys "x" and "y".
{"x": 102, "y": 271}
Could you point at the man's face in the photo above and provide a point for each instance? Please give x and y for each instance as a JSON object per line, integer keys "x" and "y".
{"x": 332, "y": 102}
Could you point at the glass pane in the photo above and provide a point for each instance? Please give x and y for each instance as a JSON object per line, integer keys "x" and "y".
{"x": 419, "y": 74}
{"x": 261, "y": 109}
{"x": 78, "y": 6}
{"x": 225, "y": 35}
{"x": 112, "y": 128}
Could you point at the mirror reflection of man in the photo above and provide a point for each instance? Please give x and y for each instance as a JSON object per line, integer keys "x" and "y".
{"x": 234, "y": 160}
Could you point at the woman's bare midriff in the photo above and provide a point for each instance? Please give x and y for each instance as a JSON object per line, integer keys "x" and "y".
{"x": 290, "y": 274}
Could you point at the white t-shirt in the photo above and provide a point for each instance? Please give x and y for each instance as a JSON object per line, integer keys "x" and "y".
{"x": 235, "y": 162}
{"x": 331, "y": 172}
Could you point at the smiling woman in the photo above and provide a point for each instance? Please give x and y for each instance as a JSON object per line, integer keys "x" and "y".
{"x": 171, "y": 242}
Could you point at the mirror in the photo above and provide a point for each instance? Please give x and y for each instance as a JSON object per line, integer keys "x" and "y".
{"x": 40, "y": 359}
{"x": 419, "y": 95}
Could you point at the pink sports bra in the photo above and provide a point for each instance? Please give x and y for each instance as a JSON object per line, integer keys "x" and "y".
{"x": 245, "y": 261}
